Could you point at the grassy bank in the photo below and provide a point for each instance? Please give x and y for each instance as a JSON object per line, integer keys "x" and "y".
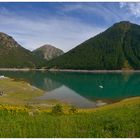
{"x": 18, "y": 118}
{"x": 117, "y": 120}
{"x": 17, "y": 92}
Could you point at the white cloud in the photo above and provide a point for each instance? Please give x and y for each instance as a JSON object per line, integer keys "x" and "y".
{"x": 132, "y": 7}
{"x": 106, "y": 11}
{"x": 64, "y": 33}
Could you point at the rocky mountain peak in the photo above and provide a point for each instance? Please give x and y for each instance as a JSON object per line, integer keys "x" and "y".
{"x": 48, "y": 52}
{"x": 7, "y": 41}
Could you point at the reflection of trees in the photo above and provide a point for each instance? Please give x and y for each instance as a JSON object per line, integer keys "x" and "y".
{"x": 37, "y": 79}
{"x": 115, "y": 85}
{"x": 50, "y": 85}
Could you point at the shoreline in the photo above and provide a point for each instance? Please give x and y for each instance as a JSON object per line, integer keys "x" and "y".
{"x": 71, "y": 70}
{"x": 94, "y": 71}
{"x": 17, "y": 69}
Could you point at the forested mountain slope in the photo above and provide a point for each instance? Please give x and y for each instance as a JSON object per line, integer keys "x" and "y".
{"x": 13, "y": 55}
{"x": 116, "y": 48}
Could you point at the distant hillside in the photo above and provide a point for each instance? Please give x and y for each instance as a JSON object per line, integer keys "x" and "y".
{"x": 116, "y": 48}
{"x": 48, "y": 52}
{"x": 12, "y": 55}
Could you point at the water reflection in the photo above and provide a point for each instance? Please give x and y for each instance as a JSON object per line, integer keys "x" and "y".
{"x": 81, "y": 89}
{"x": 69, "y": 96}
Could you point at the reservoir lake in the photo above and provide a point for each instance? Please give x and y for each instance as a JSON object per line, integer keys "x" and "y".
{"x": 83, "y": 90}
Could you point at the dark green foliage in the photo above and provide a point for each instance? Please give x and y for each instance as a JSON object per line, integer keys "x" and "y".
{"x": 19, "y": 58}
{"x": 108, "y": 50}
{"x": 57, "y": 109}
{"x": 12, "y": 55}
{"x": 72, "y": 110}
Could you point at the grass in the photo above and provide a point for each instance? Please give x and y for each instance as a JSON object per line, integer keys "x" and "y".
{"x": 20, "y": 119}
{"x": 17, "y": 92}
{"x": 116, "y": 120}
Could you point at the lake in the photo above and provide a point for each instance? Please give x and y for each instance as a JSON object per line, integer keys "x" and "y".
{"x": 83, "y": 90}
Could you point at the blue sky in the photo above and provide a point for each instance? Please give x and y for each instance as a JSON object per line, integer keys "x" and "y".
{"x": 62, "y": 24}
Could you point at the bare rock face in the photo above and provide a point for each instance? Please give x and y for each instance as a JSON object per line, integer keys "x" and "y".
{"x": 48, "y": 52}
{"x": 8, "y": 41}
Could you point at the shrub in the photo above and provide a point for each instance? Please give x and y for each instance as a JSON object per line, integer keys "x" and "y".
{"x": 57, "y": 109}
{"x": 72, "y": 109}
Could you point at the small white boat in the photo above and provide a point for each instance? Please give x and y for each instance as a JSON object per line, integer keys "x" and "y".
{"x": 101, "y": 86}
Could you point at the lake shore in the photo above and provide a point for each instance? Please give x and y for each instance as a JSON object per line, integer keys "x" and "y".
{"x": 93, "y": 71}
{"x": 17, "y": 69}
{"x": 17, "y": 92}
{"x": 70, "y": 70}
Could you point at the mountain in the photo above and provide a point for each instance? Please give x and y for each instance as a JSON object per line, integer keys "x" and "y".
{"x": 48, "y": 52}
{"x": 13, "y": 55}
{"x": 116, "y": 48}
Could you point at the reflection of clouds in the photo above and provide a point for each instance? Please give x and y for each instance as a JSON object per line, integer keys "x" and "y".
{"x": 116, "y": 85}
{"x": 67, "y": 95}
{"x": 100, "y": 103}
{"x": 82, "y": 89}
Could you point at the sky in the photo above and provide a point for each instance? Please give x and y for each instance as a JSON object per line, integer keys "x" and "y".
{"x": 62, "y": 24}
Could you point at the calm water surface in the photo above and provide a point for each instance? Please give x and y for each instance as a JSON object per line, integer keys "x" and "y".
{"x": 82, "y": 89}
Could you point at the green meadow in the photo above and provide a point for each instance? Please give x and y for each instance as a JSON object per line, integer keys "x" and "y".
{"x": 20, "y": 120}
{"x": 118, "y": 120}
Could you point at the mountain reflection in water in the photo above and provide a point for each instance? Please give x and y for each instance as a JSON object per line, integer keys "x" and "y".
{"x": 82, "y": 89}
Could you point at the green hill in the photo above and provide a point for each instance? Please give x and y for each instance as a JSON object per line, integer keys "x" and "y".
{"x": 116, "y": 48}
{"x": 12, "y": 55}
